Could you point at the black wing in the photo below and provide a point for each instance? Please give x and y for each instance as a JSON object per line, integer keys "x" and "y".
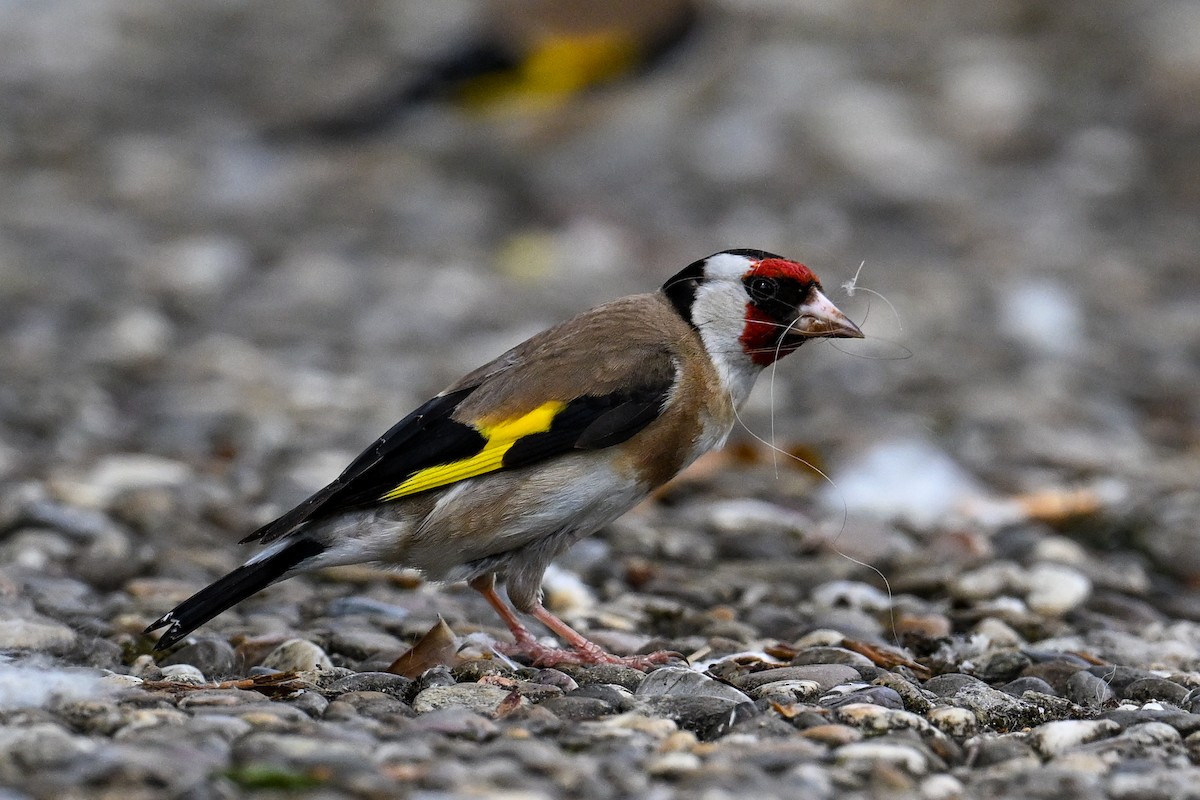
{"x": 431, "y": 439}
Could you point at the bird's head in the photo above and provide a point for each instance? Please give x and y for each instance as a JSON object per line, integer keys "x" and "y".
{"x": 754, "y": 306}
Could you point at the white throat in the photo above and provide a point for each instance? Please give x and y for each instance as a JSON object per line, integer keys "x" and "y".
{"x": 720, "y": 315}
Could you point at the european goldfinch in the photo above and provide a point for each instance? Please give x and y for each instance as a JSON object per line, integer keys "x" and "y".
{"x": 530, "y": 56}
{"x": 548, "y": 443}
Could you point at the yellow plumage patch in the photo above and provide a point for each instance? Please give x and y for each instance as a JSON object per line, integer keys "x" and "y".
{"x": 500, "y": 436}
{"x": 555, "y": 70}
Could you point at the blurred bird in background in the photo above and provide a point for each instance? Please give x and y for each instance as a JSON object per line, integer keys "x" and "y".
{"x": 533, "y": 55}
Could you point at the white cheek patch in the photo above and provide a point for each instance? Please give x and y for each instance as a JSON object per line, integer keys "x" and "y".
{"x": 719, "y": 313}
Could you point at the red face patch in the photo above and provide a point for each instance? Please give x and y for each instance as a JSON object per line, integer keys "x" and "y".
{"x": 782, "y": 268}
{"x": 762, "y": 336}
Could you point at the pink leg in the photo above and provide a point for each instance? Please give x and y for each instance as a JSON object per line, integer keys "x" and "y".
{"x": 584, "y": 651}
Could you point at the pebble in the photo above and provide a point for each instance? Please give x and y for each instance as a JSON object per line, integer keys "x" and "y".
{"x": 394, "y": 685}
{"x": 213, "y": 657}
{"x": 825, "y": 676}
{"x": 1027, "y": 683}
{"x": 880, "y": 696}
{"x": 833, "y": 734}
{"x": 683, "y": 682}
{"x": 574, "y": 708}
{"x": 787, "y": 691}
{"x": 36, "y": 637}
{"x": 707, "y": 717}
{"x": 869, "y": 754}
{"x": 1055, "y": 738}
{"x": 478, "y": 697}
{"x": 1146, "y": 690}
{"x": 874, "y": 719}
{"x": 942, "y": 787}
{"x": 298, "y": 655}
{"x": 830, "y": 655}
{"x": 1001, "y": 664}
{"x": 1055, "y": 589}
{"x": 183, "y": 673}
{"x": 953, "y": 721}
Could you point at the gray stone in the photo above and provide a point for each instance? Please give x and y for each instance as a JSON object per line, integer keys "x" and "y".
{"x": 574, "y": 708}
{"x": 830, "y": 655}
{"x": 946, "y": 685}
{"x": 1019, "y": 686}
{"x": 37, "y": 637}
{"x": 1055, "y": 738}
{"x": 1089, "y": 691}
{"x": 607, "y": 673}
{"x": 875, "y": 695}
{"x": 456, "y": 721}
{"x": 214, "y": 657}
{"x": 707, "y": 717}
{"x": 616, "y": 696}
{"x": 478, "y": 697}
{"x": 1001, "y": 665}
{"x": 395, "y": 685}
{"x": 298, "y": 655}
{"x": 824, "y": 675}
{"x": 683, "y": 682}
{"x": 1148, "y": 689}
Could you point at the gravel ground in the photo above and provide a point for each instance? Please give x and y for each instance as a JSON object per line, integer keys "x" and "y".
{"x": 206, "y": 310}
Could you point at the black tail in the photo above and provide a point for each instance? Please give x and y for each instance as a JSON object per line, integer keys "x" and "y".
{"x": 229, "y": 591}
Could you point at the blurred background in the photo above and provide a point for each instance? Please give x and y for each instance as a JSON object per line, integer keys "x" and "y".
{"x": 239, "y": 240}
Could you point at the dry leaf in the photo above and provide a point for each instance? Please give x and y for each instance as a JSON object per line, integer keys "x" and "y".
{"x": 438, "y": 646}
{"x": 885, "y": 657}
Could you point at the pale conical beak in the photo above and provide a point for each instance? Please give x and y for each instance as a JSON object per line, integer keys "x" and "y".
{"x": 818, "y": 317}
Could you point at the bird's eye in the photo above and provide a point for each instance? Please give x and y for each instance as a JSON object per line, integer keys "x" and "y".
{"x": 763, "y": 289}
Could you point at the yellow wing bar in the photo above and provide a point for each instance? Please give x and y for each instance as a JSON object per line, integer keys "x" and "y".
{"x": 500, "y": 437}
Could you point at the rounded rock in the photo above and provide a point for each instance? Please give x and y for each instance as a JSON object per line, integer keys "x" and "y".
{"x": 787, "y": 691}
{"x": 183, "y": 673}
{"x": 870, "y": 753}
{"x": 214, "y": 657}
{"x": 826, "y": 676}
{"x": 298, "y": 655}
{"x": 1150, "y": 689}
{"x": 1055, "y": 589}
{"x": 1054, "y": 738}
{"x": 38, "y": 637}
{"x": 478, "y": 697}
{"x": 880, "y": 696}
{"x": 953, "y": 721}
{"x": 683, "y": 682}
